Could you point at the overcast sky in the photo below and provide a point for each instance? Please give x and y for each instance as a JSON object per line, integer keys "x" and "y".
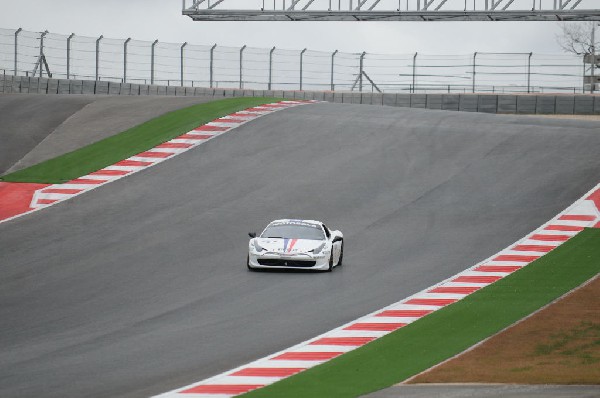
{"x": 162, "y": 20}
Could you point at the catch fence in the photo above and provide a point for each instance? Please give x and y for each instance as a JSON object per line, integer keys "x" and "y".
{"x": 26, "y": 53}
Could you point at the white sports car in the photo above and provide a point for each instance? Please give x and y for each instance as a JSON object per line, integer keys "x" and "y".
{"x": 296, "y": 244}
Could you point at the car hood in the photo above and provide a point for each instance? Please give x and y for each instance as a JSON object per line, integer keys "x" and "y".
{"x": 290, "y": 246}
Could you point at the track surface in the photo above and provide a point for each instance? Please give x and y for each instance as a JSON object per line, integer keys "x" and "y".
{"x": 140, "y": 287}
{"x": 26, "y": 121}
{"x": 35, "y": 128}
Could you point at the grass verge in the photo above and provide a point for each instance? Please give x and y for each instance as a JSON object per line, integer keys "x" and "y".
{"x": 130, "y": 142}
{"x": 557, "y": 345}
{"x": 449, "y": 331}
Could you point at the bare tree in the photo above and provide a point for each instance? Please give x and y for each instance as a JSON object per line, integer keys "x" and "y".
{"x": 580, "y": 39}
{"x": 576, "y": 37}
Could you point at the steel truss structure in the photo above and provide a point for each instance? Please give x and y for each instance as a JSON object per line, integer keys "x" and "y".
{"x": 392, "y": 10}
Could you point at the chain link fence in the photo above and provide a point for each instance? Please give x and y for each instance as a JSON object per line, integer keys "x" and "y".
{"x": 26, "y": 53}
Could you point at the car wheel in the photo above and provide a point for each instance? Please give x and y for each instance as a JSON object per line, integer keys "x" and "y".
{"x": 248, "y": 264}
{"x": 339, "y": 264}
{"x": 330, "y": 268}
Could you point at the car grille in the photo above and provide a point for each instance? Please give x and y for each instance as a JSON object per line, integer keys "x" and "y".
{"x": 276, "y": 262}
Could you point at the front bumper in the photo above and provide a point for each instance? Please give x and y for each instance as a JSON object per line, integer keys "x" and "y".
{"x": 270, "y": 260}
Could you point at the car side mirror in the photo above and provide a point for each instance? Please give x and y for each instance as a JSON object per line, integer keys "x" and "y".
{"x": 337, "y": 239}
{"x": 252, "y": 234}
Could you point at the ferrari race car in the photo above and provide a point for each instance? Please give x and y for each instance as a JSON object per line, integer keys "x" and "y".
{"x": 296, "y": 244}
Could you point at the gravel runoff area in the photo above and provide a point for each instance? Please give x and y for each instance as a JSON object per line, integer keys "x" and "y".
{"x": 554, "y": 359}
{"x": 558, "y": 345}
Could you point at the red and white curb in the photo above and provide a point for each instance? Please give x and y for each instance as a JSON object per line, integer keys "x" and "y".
{"x": 583, "y": 213}
{"x": 17, "y": 199}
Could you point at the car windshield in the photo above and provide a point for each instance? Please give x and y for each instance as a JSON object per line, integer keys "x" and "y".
{"x": 293, "y": 231}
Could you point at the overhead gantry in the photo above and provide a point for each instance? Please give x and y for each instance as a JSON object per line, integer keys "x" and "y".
{"x": 392, "y": 10}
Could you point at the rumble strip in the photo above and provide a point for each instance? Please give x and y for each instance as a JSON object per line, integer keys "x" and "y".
{"x": 18, "y": 199}
{"x": 583, "y": 213}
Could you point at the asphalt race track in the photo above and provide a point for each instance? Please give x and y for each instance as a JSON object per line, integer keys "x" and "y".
{"x": 35, "y": 127}
{"x": 141, "y": 286}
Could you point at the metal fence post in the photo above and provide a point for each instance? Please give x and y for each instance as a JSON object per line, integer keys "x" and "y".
{"x": 301, "y": 65}
{"x": 98, "y": 56}
{"x": 181, "y": 61}
{"x": 42, "y": 37}
{"x": 270, "y": 68}
{"x": 16, "y": 48}
{"x": 332, "y": 63}
{"x": 529, "y": 73}
{"x": 152, "y": 61}
{"x": 360, "y": 76}
{"x": 414, "y": 74}
{"x": 593, "y": 50}
{"x": 241, "y": 66}
{"x": 212, "y": 54}
{"x": 336, "y": 73}
{"x": 583, "y": 76}
{"x": 125, "y": 59}
{"x": 474, "y": 69}
{"x": 69, "y": 55}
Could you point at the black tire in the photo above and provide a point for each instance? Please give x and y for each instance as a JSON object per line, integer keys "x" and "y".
{"x": 341, "y": 255}
{"x": 330, "y": 268}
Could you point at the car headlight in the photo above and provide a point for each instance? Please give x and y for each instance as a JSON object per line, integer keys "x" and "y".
{"x": 257, "y": 246}
{"x": 319, "y": 248}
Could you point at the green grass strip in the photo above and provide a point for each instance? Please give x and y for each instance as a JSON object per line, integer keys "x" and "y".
{"x": 449, "y": 331}
{"x": 130, "y": 142}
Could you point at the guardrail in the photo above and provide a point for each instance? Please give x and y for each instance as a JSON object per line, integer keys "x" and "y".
{"x": 488, "y": 103}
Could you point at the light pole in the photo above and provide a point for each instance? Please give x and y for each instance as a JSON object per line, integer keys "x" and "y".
{"x": 332, "y": 64}
{"x": 593, "y": 50}
{"x": 242, "y": 66}
{"x": 69, "y": 55}
{"x": 270, "y": 85}
{"x": 529, "y": 73}
{"x": 361, "y": 71}
{"x": 474, "y": 68}
{"x": 301, "y": 65}
{"x": 98, "y": 57}
{"x": 152, "y": 61}
{"x": 16, "y": 49}
{"x": 212, "y": 58}
{"x": 125, "y": 59}
{"x": 414, "y": 70}
{"x": 181, "y": 62}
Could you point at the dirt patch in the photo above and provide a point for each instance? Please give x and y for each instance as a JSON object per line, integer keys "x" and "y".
{"x": 558, "y": 345}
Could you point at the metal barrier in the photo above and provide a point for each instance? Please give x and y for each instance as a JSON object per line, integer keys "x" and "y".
{"x": 44, "y": 54}
{"x": 488, "y": 103}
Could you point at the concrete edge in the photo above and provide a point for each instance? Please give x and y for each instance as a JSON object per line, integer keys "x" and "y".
{"x": 532, "y": 104}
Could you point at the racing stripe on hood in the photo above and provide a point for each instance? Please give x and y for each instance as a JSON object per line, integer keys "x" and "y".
{"x": 292, "y": 243}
